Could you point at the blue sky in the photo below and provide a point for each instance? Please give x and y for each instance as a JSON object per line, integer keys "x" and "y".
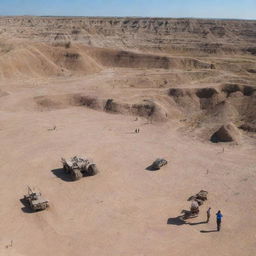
{"x": 240, "y": 9}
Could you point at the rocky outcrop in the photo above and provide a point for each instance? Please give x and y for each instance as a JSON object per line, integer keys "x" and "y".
{"x": 158, "y": 34}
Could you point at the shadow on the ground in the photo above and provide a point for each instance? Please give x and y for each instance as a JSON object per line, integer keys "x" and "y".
{"x": 61, "y": 174}
{"x": 151, "y": 168}
{"x": 208, "y": 231}
{"x": 198, "y": 223}
{"x": 188, "y": 214}
{"x": 26, "y": 207}
{"x": 181, "y": 220}
{"x": 178, "y": 221}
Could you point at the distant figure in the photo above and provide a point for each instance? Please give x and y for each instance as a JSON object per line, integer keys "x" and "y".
{"x": 52, "y": 129}
{"x": 218, "y": 219}
{"x": 138, "y": 130}
{"x": 208, "y": 214}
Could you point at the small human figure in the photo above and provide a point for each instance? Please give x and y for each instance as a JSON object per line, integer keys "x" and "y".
{"x": 208, "y": 214}
{"x": 138, "y": 130}
{"x": 218, "y": 219}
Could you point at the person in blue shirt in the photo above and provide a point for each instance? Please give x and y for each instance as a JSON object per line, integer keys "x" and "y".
{"x": 218, "y": 219}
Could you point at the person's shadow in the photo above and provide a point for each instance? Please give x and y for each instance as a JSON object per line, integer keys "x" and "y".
{"x": 61, "y": 174}
{"x": 178, "y": 221}
{"x": 197, "y": 223}
{"x": 181, "y": 220}
{"x": 208, "y": 231}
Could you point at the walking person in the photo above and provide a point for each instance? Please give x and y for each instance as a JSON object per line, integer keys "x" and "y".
{"x": 208, "y": 214}
{"x": 218, "y": 219}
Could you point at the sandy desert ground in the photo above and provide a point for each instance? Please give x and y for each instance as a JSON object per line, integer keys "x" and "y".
{"x": 97, "y": 80}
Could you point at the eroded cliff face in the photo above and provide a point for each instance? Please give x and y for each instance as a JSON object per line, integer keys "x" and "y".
{"x": 69, "y": 46}
{"x": 143, "y": 34}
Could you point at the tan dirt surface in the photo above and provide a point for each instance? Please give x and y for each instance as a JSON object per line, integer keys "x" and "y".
{"x": 81, "y": 86}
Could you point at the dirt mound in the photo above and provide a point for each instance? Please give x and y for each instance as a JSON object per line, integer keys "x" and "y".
{"x": 28, "y": 60}
{"x": 155, "y": 109}
{"x": 60, "y": 101}
{"x": 62, "y": 58}
{"x": 209, "y": 105}
{"x": 195, "y": 99}
{"x": 75, "y": 60}
{"x": 129, "y": 59}
{"x": 53, "y": 102}
{"x": 144, "y": 108}
{"x": 226, "y": 133}
{"x": 230, "y": 100}
{"x": 232, "y": 88}
{"x": 203, "y": 108}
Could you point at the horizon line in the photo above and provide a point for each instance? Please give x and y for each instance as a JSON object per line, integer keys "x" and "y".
{"x": 124, "y": 17}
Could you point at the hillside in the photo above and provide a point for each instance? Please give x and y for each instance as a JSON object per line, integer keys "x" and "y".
{"x": 146, "y": 34}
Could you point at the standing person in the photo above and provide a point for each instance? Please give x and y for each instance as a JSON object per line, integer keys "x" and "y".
{"x": 208, "y": 214}
{"x": 218, "y": 219}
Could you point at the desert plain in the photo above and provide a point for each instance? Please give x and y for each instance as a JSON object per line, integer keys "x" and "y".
{"x": 81, "y": 86}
